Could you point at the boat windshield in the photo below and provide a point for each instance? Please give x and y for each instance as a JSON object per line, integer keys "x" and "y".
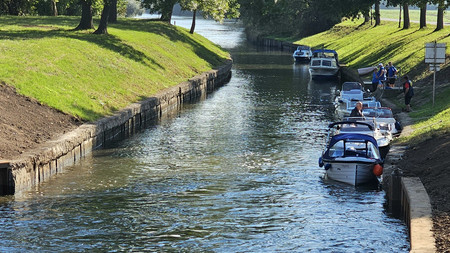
{"x": 371, "y": 104}
{"x": 315, "y": 63}
{"x": 385, "y": 113}
{"x": 354, "y": 148}
{"x": 347, "y": 86}
{"x": 353, "y": 128}
{"x": 326, "y": 63}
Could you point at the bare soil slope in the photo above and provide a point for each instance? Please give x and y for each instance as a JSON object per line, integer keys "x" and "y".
{"x": 24, "y": 123}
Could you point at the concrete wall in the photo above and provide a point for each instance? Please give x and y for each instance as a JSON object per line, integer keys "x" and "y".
{"x": 49, "y": 159}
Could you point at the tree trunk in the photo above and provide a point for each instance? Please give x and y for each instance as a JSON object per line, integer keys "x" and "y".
{"x": 86, "y": 21}
{"x": 103, "y": 26}
{"x": 400, "y": 17}
{"x": 423, "y": 16}
{"x": 55, "y": 10}
{"x": 166, "y": 14}
{"x": 193, "y": 22}
{"x": 366, "y": 18}
{"x": 440, "y": 18}
{"x": 377, "y": 13}
{"x": 406, "y": 21}
{"x": 113, "y": 12}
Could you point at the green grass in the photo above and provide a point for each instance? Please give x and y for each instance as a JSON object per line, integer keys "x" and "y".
{"x": 430, "y": 121}
{"x": 364, "y": 46}
{"x": 90, "y": 76}
{"x": 414, "y": 15}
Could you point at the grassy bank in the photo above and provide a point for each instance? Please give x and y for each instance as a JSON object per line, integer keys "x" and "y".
{"x": 90, "y": 76}
{"x": 363, "y": 46}
{"x": 414, "y": 15}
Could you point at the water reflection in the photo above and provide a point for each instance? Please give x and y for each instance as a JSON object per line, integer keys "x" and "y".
{"x": 234, "y": 173}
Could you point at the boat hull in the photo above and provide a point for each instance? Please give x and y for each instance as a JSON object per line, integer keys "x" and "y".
{"x": 323, "y": 72}
{"x": 352, "y": 173}
{"x": 302, "y": 59}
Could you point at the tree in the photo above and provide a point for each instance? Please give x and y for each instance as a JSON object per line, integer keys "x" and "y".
{"x": 86, "y": 21}
{"x": 54, "y": 8}
{"x": 422, "y": 4}
{"x": 17, "y": 7}
{"x": 164, "y": 7}
{"x": 103, "y": 26}
{"x": 217, "y": 9}
{"x": 377, "y": 13}
{"x": 405, "y": 5}
{"x": 442, "y": 5}
{"x": 112, "y": 17}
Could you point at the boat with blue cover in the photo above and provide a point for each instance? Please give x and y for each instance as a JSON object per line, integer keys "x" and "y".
{"x": 352, "y": 158}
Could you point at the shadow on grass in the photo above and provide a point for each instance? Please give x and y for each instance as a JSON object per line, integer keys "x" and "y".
{"x": 172, "y": 33}
{"x": 109, "y": 42}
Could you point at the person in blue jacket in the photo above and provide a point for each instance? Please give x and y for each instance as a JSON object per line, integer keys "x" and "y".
{"x": 375, "y": 81}
{"x": 381, "y": 74}
{"x": 391, "y": 74}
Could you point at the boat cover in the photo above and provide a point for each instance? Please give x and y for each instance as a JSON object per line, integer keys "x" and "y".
{"x": 352, "y": 136}
{"x": 325, "y": 51}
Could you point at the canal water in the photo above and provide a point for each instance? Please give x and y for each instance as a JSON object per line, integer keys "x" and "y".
{"x": 236, "y": 172}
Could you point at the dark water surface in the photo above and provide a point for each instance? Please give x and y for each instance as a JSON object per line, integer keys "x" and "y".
{"x": 234, "y": 173}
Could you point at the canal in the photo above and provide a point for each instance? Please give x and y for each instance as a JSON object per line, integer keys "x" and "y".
{"x": 236, "y": 172}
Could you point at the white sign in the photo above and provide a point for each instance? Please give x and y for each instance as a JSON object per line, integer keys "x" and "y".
{"x": 435, "y": 67}
{"x": 435, "y": 52}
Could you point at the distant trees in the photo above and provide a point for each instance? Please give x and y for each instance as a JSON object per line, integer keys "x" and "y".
{"x": 216, "y": 9}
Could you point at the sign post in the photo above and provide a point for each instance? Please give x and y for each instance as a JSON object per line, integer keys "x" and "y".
{"x": 435, "y": 55}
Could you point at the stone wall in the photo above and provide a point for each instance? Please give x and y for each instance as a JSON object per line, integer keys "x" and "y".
{"x": 49, "y": 159}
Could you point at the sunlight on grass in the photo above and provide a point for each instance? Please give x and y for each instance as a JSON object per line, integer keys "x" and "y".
{"x": 90, "y": 76}
{"x": 363, "y": 46}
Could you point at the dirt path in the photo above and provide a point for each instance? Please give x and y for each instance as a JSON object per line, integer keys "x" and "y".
{"x": 25, "y": 123}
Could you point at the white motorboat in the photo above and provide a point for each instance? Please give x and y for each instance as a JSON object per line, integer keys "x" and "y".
{"x": 302, "y": 54}
{"x": 324, "y": 63}
{"x": 345, "y": 109}
{"x": 384, "y": 118}
{"x": 358, "y": 125}
{"x": 352, "y": 158}
{"x": 366, "y": 71}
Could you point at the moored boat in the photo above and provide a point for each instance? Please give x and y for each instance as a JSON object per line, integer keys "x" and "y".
{"x": 324, "y": 63}
{"x": 352, "y": 158}
{"x": 302, "y": 54}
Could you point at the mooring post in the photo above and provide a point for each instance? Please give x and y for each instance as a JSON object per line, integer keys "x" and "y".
{"x": 395, "y": 193}
{"x": 4, "y": 165}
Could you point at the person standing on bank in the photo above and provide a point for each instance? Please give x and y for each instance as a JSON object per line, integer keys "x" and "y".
{"x": 381, "y": 74}
{"x": 391, "y": 74}
{"x": 375, "y": 81}
{"x": 357, "y": 111}
{"x": 408, "y": 91}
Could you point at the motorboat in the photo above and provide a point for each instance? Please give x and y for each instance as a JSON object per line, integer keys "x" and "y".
{"x": 352, "y": 91}
{"x": 324, "y": 63}
{"x": 362, "y": 125}
{"x": 352, "y": 158}
{"x": 345, "y": 109}
{"x": 366, "y": 71}
{"x": 302, "y": 54}
{"x": 385, "y": 119}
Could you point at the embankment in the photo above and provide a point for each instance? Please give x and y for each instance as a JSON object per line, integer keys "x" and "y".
{"x": 51, "y": 158}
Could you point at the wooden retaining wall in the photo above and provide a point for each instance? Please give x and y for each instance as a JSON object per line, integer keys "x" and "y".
{"x": 51, "y": 158}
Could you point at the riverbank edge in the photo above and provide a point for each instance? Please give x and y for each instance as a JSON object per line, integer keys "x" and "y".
{"x": 40, "y": 164}
{"x": 407, "y": 198}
